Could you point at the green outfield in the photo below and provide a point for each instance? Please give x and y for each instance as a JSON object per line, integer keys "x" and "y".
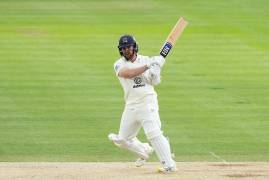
{"x": 59, "y": 97}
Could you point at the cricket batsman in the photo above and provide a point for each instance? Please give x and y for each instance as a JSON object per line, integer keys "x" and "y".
{"x": 138, "y": 75}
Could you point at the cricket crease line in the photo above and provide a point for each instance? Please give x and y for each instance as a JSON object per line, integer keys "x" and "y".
{"x": 217, "y": 157}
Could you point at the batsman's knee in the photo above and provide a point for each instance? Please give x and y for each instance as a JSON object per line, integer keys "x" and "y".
{"x": 154, "y": 133}
{"x": 133, "y": 145}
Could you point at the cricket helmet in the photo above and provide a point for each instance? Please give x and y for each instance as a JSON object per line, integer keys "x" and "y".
{"x": 127, "y": 40}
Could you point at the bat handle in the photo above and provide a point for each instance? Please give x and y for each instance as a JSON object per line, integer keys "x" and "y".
{"x": 166, "y": 49}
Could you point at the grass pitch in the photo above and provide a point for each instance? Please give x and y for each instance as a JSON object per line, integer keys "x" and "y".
{"x": 59, "y": 97}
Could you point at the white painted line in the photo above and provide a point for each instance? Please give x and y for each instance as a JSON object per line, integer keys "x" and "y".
{"x": 218, "y": 157}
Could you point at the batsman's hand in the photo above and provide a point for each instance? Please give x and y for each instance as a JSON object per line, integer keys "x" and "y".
{"x": 152, "y": 63}
{"x": 153, "y": 75}
{"x": 155, "y": 70}
{"x": 158, "y": 59}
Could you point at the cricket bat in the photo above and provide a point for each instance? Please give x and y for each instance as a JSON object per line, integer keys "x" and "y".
{"x": 173, "y": 36}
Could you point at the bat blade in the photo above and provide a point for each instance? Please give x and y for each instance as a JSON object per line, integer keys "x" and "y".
{"x": 173, "y": 36}
{"x": 176, "y": 31}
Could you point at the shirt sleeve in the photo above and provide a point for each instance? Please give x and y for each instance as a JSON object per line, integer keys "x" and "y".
{"x": 117, "y": 67}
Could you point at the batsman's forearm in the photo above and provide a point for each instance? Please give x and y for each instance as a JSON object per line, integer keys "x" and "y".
{"x": 130, "y": 73}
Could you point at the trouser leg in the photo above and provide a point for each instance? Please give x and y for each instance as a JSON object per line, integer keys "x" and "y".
{"x": 152, "y": 127}
{"x": 128, "y": 131}
{"x": 163, "y": 151}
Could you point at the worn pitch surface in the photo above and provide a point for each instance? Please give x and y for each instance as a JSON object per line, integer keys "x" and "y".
{"x": 120, "y": 170}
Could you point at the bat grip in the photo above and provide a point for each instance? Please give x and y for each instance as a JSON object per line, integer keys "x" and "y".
{"x": 166, "y": 49}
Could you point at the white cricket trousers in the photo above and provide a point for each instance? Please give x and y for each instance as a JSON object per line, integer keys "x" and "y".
{"x": 146, "y": 115}
{"x": 134, "y": 117}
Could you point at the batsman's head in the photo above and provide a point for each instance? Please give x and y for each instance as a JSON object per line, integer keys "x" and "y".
{"x": 128, "y": 46}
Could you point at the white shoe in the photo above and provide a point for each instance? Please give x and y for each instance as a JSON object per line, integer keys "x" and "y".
{"x": 167, "y": 170}
{"x": 140, "y": 162}
{"x": 148, "y": 150}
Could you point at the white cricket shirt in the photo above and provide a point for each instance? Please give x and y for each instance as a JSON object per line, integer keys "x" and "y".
{"x": 136, "y": 90}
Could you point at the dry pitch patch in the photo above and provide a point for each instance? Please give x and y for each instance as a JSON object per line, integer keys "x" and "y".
{"x": 127, "y": 170}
